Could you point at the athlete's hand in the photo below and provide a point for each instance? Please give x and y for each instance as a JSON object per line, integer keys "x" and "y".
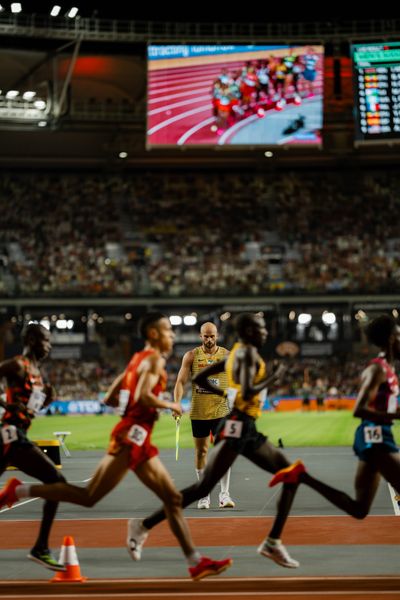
{"x": 176, "y": 409}
{"x": 50, "y": 392}
{"x": 278, "y": 370}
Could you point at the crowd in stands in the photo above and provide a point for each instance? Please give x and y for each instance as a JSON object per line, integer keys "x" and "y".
{"x": 196, "y": 234}
{"x": 79, "y": 380}
{"x": 83, "y": 380}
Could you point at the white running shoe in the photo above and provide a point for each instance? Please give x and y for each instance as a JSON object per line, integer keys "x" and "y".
{"x": 204, "y": 503}
{"x": 136, "y": 538}
{"x": 225, "y": 501}
{"x": 278, "y": 554}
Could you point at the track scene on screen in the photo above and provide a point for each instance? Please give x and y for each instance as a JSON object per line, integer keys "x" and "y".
{"x": 234, "y": 95}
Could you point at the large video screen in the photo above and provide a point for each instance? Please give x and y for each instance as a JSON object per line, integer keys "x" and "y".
{"x": 377, "y": 90}
{"x": 234, "y": 95}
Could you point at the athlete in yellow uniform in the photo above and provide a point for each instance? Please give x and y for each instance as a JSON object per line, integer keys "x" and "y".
{"x": 207, "y": 408}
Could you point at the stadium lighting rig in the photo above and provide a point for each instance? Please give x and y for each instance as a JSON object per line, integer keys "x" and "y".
{"x": 70, "y": 12}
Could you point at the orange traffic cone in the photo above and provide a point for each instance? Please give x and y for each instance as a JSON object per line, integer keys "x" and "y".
{"x": 68, "y": 558}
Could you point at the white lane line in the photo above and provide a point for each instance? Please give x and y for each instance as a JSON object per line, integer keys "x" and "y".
{"x": 33, "y": 499}
{"x": 194, "y": 129}
{"x": 183, "y": 115}
{"x": 236, "y": 127}
{"x": 393, "y": 493}
{"x": 171, "y": 88}
{"x": 162, "y": 109}
{"x": 204, "y": 90}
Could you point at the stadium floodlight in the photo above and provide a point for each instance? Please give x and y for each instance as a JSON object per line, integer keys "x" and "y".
{"x": 16, "y": 7}
{"x": 55, "y": 11}
{"x": 11, "y": 94}
{"x": 175, "y": 320}
{"x": 304, "y": 318}
{"x": 28, "y": 95}
{"x": 61, "y": 324}
{"x": 189, "y": 320}
{"x": 123, "y": 155}
{"x": 42, "y": 123}
{"x": 225, "y": 316}
{"x": 40, "y": 104}
{"x": 70, "y": 324}
{"x": 328, "y": 318}
{"x": 71, "y": 14}
{"x": 45, "y": 323}
{"x": 1, "y": 8}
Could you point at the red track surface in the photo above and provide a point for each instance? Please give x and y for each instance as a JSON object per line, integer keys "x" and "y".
{"x": 317, "y": 588}
{"x": 169, "y": 119}
{"x": 236, "y": 531}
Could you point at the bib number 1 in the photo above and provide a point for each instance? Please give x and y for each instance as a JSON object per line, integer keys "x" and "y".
{"x": 9, "y": 434}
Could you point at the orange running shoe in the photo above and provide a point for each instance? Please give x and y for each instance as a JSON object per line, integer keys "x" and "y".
{"x": 208, "y": 567}
{"x": 7, "y": 494}
{"x": 290, "y": 474}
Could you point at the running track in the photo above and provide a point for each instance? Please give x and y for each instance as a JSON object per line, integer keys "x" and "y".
{"x": 179, "y": 103}
{"x": 100, "y": 543}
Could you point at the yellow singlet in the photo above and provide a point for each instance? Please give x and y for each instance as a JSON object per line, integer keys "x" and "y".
{"x": 204, "y": 405}
{"x": 253, "y": 406}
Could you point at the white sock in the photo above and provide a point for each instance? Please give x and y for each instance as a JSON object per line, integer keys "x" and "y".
{"x": 273, "y": 541}
{"x": 193, "y": 558}
{"x": 199, "y": 473}
{"x": 225, "y": 481}
{"x": 142, "y": 528}
{"x": 23, "y": 491}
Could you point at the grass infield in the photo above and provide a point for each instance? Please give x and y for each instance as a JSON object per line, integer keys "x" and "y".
{"x": 91, "y": 432}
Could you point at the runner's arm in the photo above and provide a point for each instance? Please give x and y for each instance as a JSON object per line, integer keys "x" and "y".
{"x": 111, "y": 397}
{"x": 202, "y": 378}
{"x": 150, "y": 373}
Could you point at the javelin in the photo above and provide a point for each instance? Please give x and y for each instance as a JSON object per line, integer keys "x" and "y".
{"x": 177, "y": 430}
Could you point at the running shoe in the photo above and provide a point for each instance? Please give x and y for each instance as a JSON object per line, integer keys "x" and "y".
{"x": 204, "y": 503}
{"x": 208, "y": 567}
{"x": 137, "y": 536}
{"x": 278, "y": 553}
{"x": 225, "y": 501}
{"x": 290, "y": 474}
{"x": 7, "y": 494}
{"x": 46, "y": 559}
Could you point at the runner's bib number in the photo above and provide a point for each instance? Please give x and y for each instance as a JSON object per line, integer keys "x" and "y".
{"x": 231, "y": 394}
{"x": 137, "y": 435}
{"x": 36, "y": 401}
{"x": 123, "y": 399}
{"x": 262, "y": 397}
{"x": 9, "y": 434}
{"x": 373, "y": 434}
{"x": 392, "y": 404}
{"x": 233, "y": 429}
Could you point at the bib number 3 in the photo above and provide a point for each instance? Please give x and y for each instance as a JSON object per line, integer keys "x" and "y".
{"x": 233, "y": 429}
{"x": 373, "y": 435}
{"x": 137, "y": 435}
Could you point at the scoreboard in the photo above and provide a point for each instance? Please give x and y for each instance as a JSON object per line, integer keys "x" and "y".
{"x": 376, "y": 72}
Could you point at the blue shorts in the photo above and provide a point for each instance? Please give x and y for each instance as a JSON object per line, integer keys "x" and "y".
{"x": 364, "y": 445}
{"x": 309, "y": 75}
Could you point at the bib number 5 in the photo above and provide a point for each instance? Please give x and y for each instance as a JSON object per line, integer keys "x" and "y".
{"x": 233, "y": 429}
